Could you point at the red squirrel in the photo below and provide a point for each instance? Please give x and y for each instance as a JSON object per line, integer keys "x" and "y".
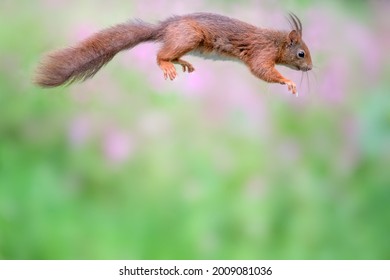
{"x": 202, "y": 33}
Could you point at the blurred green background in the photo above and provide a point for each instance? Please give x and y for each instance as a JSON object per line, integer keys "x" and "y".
{"x": 215, "y": 165}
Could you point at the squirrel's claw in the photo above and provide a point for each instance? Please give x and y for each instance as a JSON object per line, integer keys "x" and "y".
{"x": 188, "y": 68}
{"x": 172, "y": 73}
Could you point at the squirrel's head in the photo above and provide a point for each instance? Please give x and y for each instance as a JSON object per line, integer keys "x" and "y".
{"x": 296, "y": 54}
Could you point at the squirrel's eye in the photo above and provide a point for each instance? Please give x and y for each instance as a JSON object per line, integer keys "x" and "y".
{"x": 301, "y": 54}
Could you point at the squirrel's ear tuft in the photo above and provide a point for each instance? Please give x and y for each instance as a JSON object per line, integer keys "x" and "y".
{"x": 293, "y": 37}
{"x": 295, "y": 23}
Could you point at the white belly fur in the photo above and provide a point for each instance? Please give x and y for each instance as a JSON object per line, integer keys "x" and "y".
{"x": 213, "y": 56}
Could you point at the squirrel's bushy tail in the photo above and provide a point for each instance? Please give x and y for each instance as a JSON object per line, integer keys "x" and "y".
{"x": 83, "y": 60}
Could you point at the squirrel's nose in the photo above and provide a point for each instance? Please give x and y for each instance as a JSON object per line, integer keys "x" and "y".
{"x": 307, "y": 67}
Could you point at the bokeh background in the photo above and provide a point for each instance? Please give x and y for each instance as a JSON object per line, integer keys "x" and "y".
{"x": 215, "y": 165}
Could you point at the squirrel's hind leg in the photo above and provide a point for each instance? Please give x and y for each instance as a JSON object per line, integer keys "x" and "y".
{"x": 176, "y": 44}
{"x": 167, "y": 56}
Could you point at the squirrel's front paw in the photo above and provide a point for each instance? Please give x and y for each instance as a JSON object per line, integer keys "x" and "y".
{"x": 291, "y": 87}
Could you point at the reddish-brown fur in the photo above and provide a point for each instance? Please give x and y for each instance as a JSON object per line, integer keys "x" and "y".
{"x": 260, "y": 49}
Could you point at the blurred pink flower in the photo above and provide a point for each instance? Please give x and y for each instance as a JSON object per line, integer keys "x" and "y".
{"x": 175, "y": 7}
{"x": 84, "y": 30}
{"x": 334, "y": 82}
{"x": 80, "y": 130}
{"x": 368, "y": 49}
{"x": 240, "y": 96}
{"x": 318, "y": 31}
{"x": 197, "y": 83}
{"x": 141, "y": 57}
{"x": 118, "y": 146}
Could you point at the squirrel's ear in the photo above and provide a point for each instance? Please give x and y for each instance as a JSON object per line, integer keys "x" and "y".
{"x": 293, "y": 37}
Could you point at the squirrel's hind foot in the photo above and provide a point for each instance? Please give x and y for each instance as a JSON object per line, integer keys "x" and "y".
{"x": 169, "y": 69}
{"x": 187, "y": 67}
